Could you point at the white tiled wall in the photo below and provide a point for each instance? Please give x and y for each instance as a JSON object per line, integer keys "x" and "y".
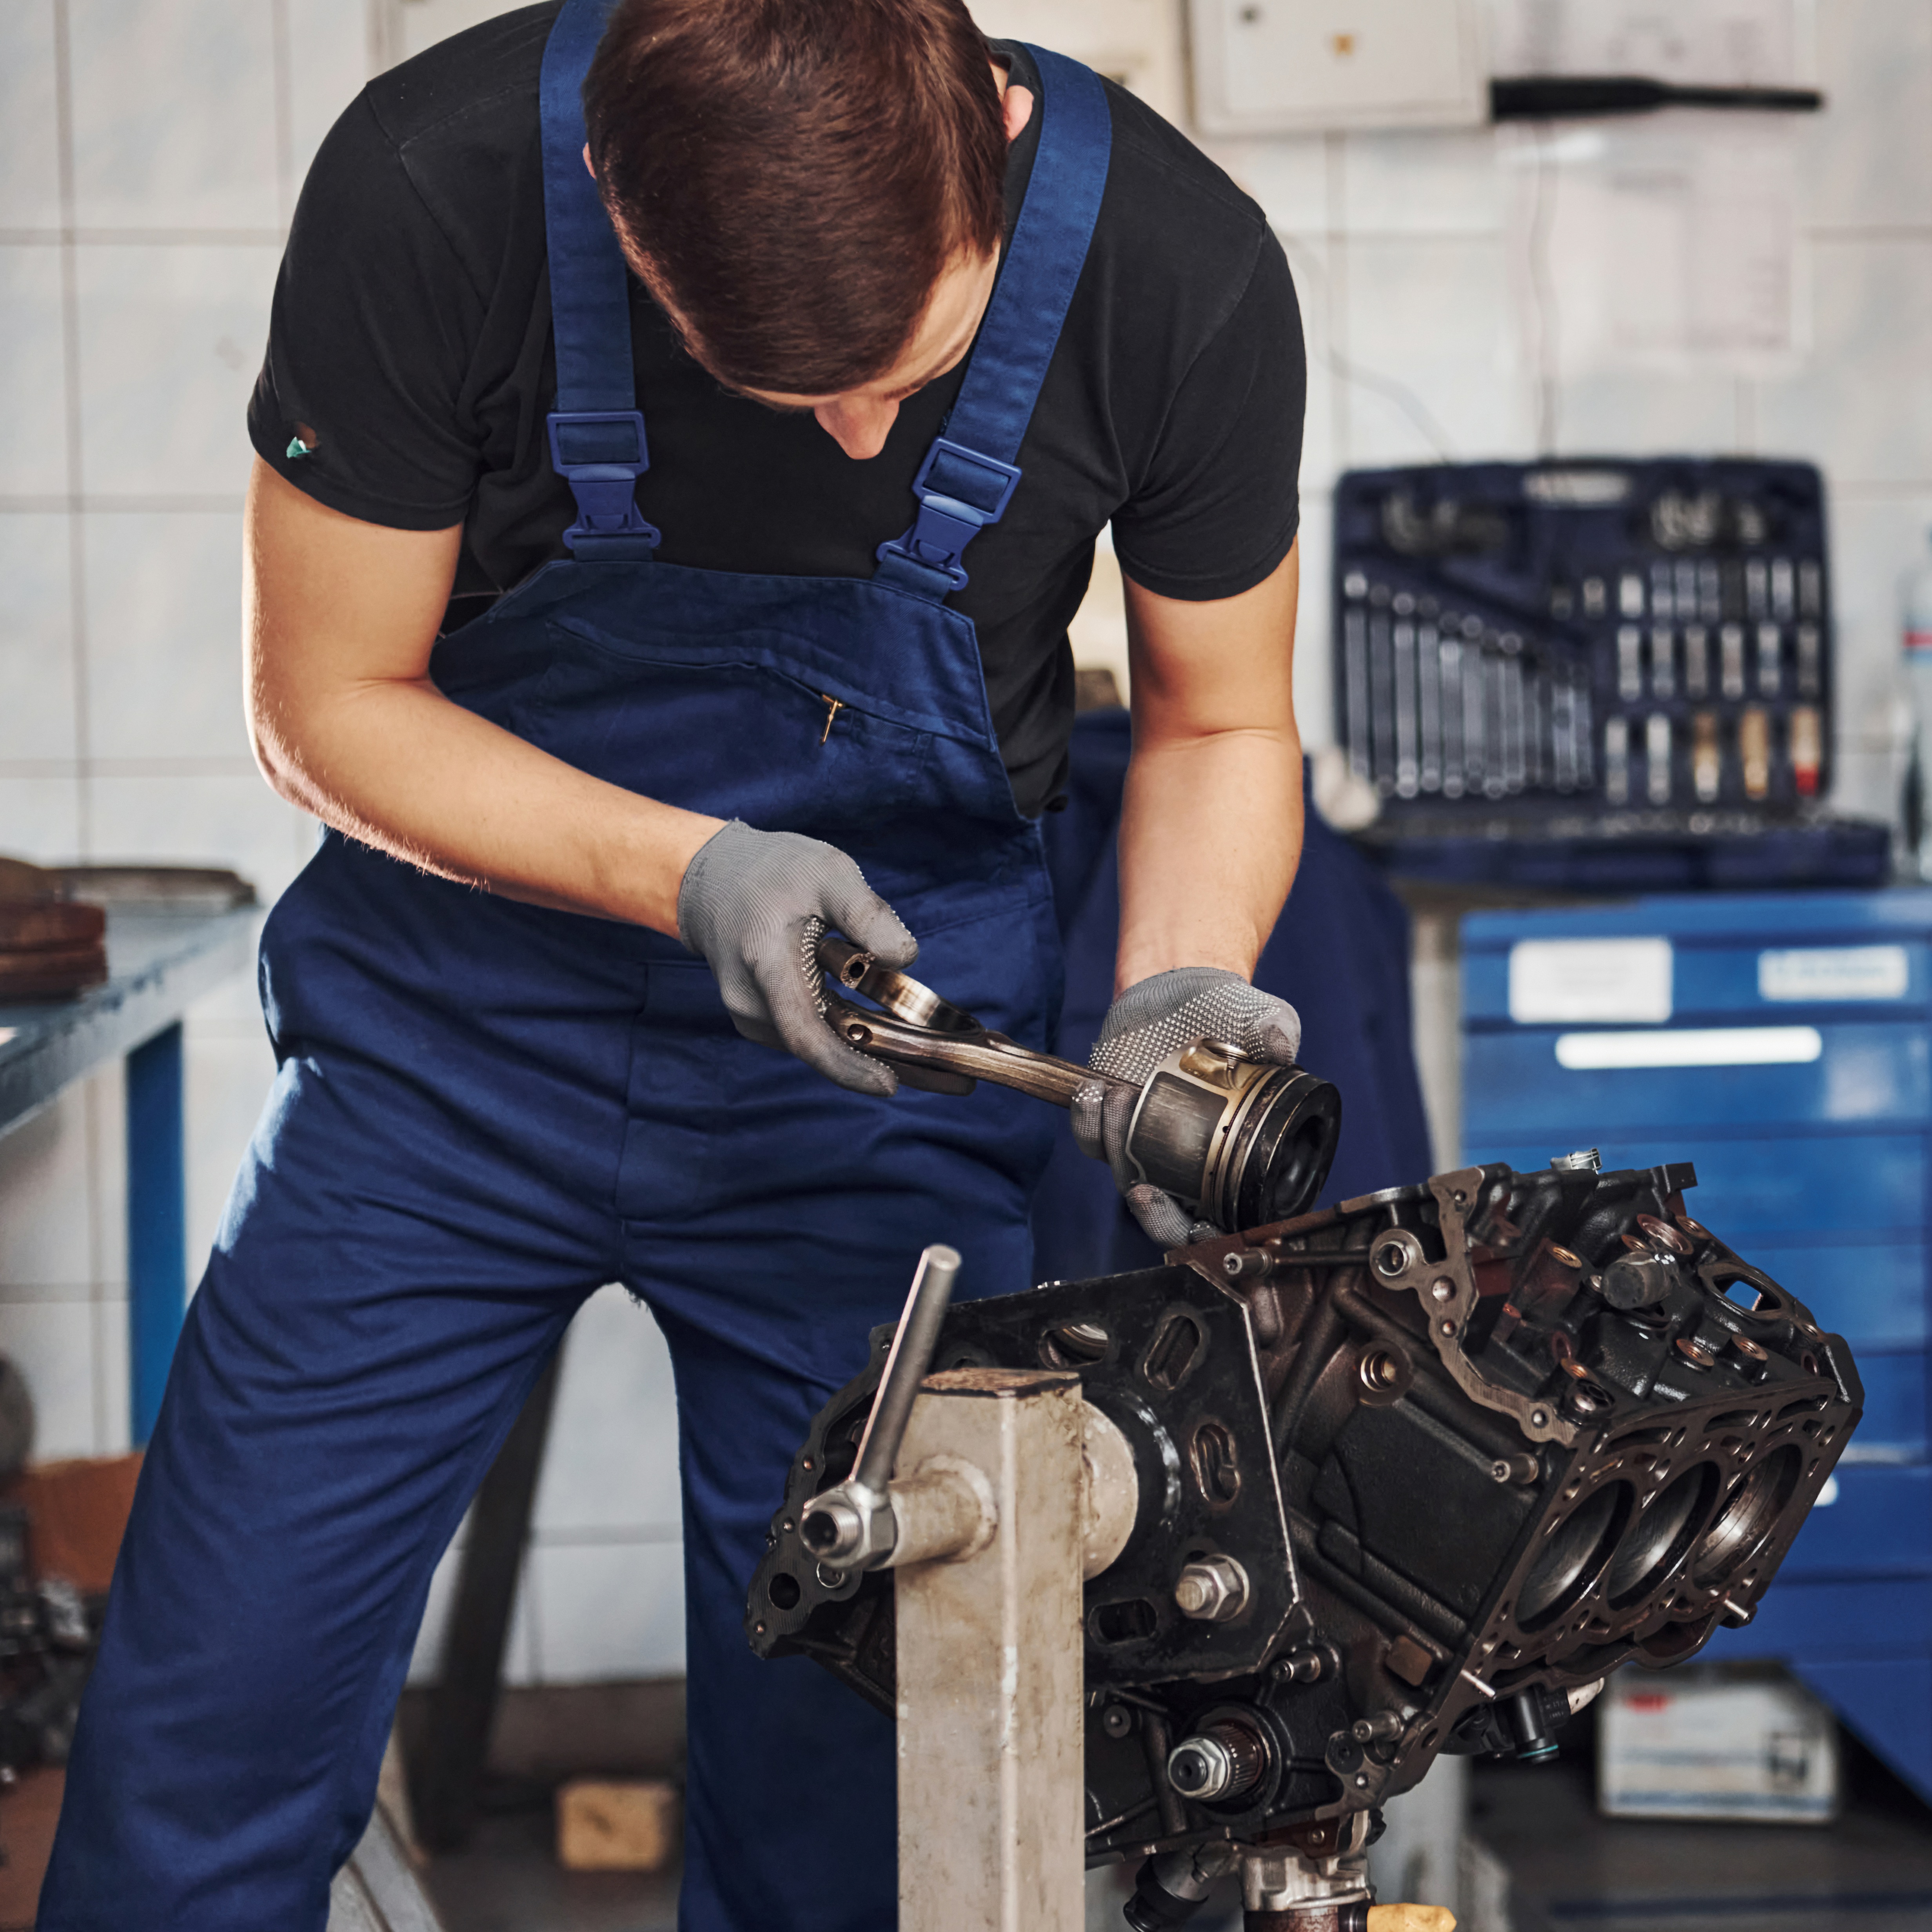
{"x": 149, "y": 156}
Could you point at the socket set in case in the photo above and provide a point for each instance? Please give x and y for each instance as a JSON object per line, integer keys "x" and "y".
{"x": 1594, "y": 654}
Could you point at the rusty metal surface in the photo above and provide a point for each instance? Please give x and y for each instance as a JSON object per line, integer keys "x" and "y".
{"x": 990, "y": 1689}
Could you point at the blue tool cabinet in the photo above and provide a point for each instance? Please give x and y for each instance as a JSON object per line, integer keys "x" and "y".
{"x": 1782, "y": 1042}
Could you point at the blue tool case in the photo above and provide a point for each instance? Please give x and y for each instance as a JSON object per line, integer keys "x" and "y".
{"x": 1782, "y": 1044}
{"x": 1535, "y": 662}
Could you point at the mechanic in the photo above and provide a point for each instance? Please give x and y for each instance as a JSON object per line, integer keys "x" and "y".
{"x": 604, "y": 736}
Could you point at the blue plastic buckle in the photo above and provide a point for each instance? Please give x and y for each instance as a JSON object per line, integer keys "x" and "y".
{"x": 977, "y": 491}
{"x": 600, "y": 454}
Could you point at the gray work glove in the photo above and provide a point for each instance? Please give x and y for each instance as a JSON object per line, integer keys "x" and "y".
{"x": 1152, "y": 1019}
{"x": 755, "y": 904}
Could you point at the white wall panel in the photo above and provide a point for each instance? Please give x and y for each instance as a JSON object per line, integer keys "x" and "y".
{"x": 39, "y": 818}
{"x": 1862, "y": 404}
{"x": 611, "y": 1463}
{"x": 197, "y": 818}
{"x": 174, "y": 113}
{"x": 1866, "y": 161}
{"x": 1428, "y": 315}
{"x": 46, "y": 1245}
{"x": 163, "y": 591}
{"x": 29, "y": 117}
{"x": 33, "y": 393}
{"x": 37, "y": 646}
{"x": 1314, "y": 684}
{"x": 1616, "y": 413}
{"x": 228, "y": 1075}
{"x": 1432, "y": 182}
{"x": 52, "y": 1344}
{"x": 608, "y": 1610}
{"x": 329, "y": 57}
{"x": 171, "y": 341}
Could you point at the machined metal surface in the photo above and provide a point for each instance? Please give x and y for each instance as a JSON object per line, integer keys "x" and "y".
{"x": 853, "y": 1525}
{"x": 1236, "y": 1141}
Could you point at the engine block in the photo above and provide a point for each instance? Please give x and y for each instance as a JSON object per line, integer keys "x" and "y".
{"x": 1414, "y": 1473}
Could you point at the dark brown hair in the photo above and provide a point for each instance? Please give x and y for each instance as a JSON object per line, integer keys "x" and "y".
{"x": 794, "y": 175}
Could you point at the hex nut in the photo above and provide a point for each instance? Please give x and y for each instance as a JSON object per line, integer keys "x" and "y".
{"x": 1212, "y": 1590}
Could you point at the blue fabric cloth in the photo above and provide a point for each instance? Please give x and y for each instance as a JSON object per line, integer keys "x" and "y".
{"x": 1339, "y": 954}
{"x": 483, "y": 1112}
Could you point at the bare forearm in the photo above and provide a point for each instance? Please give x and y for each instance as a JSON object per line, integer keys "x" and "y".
{"x": 1210, "y": 834}
{"x": 1210, "y": 828}
{"x": 340, "y": 619}
{"x": 400, "y": 767}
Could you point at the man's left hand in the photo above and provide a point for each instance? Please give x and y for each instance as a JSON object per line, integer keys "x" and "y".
{"x": 1153, "y": 1019}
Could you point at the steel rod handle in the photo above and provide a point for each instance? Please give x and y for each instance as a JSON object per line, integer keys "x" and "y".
{"x": 906, "y": 1366}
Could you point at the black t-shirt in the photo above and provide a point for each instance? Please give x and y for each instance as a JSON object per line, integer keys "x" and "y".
{"x": 411, "y": 341}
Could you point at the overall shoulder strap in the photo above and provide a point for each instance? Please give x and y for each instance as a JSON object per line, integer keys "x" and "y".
{"x": 596, "y": 431}
{"x": 970, "y": 473}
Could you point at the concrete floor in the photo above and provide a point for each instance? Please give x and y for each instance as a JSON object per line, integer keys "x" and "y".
{"x": 507, "y": 1880}
{"x": 1573, "y": 1871}
{"x": 1570, "y": 1871}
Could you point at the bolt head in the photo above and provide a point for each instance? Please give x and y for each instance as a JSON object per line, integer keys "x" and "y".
{"x": 1212, "y": 1590}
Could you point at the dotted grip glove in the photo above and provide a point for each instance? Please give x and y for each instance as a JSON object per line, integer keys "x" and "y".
{"x": 1153, "y": 1019}
{"x": 755, "y": 905}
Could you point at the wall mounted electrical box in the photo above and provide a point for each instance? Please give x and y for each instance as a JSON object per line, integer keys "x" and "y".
{"x": 1277, "y": 67}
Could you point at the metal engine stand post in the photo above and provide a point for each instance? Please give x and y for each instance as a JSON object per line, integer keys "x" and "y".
{"x": 990, "y": 1660}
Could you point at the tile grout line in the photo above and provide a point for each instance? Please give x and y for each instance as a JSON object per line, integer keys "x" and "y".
{"x": 69, "y": 236}
{"x": 70, "y": 384}
{"x": 78, "y": 503}
{"x": 1334, "y": 158}
{"x": 279, "y": 34}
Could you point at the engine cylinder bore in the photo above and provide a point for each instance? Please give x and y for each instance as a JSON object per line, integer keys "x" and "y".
{"x": 1748, "y": 1516}
{"x": 1654, "y": 1545}
{"x": 1576, "y": 1549}
{"x": 1220, "y": 1764}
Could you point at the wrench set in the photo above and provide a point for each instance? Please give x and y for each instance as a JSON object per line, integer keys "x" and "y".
{"x": 1646, "y": 644}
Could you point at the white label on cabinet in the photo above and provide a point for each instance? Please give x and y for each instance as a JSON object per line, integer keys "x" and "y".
{"x": 1558, "y": 980}
{"x": 1834, "y": 973}
{"x": 1691, "y": 1046}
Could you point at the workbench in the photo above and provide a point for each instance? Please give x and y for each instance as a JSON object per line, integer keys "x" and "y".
{"x": 159, "y": 964}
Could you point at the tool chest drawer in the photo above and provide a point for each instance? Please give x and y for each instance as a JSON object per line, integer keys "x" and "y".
{"x": 1872, "y": 1292}
{"x": 1878, "y": 1523}
{"x": 1706, "y": 959}
{"x": 1877, "y": 1615}
{"x": 1622, "y": 1078}
{"x": 1751, "y": 1189}
{"x": 1894, "y": 1429}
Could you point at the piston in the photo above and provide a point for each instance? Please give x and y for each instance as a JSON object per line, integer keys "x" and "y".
{"x": 1240, "y": 1143}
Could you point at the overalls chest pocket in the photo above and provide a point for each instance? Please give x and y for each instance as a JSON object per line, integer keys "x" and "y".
{"x": 738, "y": 726}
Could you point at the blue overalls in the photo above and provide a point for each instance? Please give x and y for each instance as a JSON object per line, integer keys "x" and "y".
{"x": 485, "y": 1111}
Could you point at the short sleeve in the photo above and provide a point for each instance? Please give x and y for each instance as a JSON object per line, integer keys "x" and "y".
{"x": 358, "y": 403}
{"x": 1218, "y": 507}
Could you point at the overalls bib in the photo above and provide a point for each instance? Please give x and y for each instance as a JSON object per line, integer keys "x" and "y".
{"x": 485, "y": 1111}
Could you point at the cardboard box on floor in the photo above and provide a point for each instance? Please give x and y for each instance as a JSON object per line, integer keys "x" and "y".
{"x": 76, "y": 1516}
{"x": 1716, "y": 1741}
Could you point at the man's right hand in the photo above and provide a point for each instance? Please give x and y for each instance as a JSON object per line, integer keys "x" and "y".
{"x": 755, "y": 904}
